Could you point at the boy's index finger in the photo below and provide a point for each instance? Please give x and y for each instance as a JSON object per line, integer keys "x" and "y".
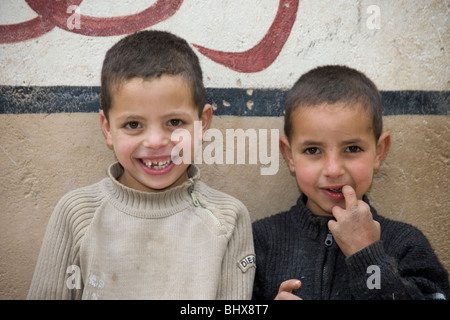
{"x": 350, "y": 197}
{"x": 289, "y": 285}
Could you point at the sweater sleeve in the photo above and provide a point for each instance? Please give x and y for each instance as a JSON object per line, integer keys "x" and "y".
{"x": 57, "y": 274}
{"x": 403, "y": 267}
{"x": 238, "y": 266}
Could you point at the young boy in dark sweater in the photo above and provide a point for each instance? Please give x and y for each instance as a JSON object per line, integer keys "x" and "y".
{"x": 332, "y": 244}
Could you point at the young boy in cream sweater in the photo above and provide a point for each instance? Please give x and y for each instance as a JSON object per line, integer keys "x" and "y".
{"x": 151, "y": 229}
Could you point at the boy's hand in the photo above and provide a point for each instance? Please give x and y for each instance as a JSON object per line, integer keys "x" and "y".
{"x": 286, "y": 288}
{"x": 354, "y": 227}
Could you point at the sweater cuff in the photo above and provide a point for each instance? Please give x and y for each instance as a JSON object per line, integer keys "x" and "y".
{"x": 373, "y": 254}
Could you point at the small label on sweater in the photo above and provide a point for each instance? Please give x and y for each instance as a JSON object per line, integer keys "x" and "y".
{"x": 247, "y": 262}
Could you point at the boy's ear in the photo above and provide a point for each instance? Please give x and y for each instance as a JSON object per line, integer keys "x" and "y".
{"x": 105, "y": 128}
{"x": 285, "y": 148}
{"x": 206, "y": 118}
{"x": 382, "y": 148}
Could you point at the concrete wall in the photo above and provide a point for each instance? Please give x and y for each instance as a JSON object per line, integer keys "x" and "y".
{"x": 251, "y": 52}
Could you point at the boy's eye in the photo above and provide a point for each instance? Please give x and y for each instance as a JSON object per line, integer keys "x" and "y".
{"x": 175, "y": 122}
{"x": 353, "y": 149}
{"x": 311, "y": 151}
{"x": 132, "y": 125}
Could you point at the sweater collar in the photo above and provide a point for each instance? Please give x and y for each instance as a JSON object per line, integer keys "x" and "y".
{"x": 310, "y": 223}
{"x": 149, "y": 204}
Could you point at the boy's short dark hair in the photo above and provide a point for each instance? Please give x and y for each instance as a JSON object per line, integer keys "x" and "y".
{"x": 334, "y": 84}
{"x": 151, "y": 54}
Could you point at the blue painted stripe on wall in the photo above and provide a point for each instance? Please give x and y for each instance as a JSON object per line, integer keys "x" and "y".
{"x": 228, "y": 101}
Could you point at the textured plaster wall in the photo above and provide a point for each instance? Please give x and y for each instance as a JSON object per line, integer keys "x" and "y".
{"x": 44, "y": 155}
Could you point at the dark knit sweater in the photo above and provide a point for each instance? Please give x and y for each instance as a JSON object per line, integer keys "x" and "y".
{"x": 298, "y": 245}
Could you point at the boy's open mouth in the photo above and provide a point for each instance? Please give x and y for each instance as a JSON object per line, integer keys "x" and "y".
{"x": 333, "y": 192}
{"x": 156, "y": 165}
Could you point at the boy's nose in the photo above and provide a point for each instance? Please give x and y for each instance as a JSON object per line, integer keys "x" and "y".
{"x": 155, "y": 139}
{"x": 333, "y": 166}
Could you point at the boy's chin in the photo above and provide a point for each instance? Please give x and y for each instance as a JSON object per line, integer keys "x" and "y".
{"x": 166, "y": 182}
{"x": 320, "y": 210}
{"x": 325, "y": 208}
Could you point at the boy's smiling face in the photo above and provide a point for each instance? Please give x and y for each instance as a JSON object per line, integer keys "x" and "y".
{"x": 143, "y": 116}
{"x": 332, "y": 146}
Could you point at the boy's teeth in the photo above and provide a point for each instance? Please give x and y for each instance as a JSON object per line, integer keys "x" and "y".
{"x": 157, "y": 164}
{"x": 336, "y": 190}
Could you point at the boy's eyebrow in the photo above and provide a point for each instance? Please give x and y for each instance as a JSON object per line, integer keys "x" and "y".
{"x": 129, "y": 117}
{"x": 311, "y": 143}
{"x": 176, "y": 114}
{"x": 307, "y": 143}
{"x": 352, "y": 141}
{"x": 136, "y": 117}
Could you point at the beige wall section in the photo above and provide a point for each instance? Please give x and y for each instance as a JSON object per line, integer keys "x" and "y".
{"x": 44, "y": 156}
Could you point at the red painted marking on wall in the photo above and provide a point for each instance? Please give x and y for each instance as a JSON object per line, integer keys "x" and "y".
{"x": 101, "y": 27}
{"x": 266, "y": 51}
{"x": 53, "y": 13}
{"x": 30, "y": 29}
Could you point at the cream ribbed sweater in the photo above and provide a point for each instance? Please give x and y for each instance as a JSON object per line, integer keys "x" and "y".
{"x": 189, "y": 242}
